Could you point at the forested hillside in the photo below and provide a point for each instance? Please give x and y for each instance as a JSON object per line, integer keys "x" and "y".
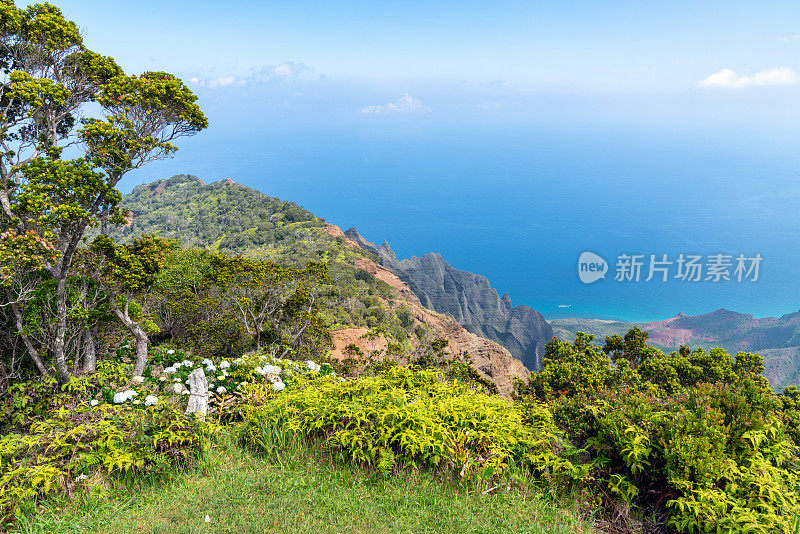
{"x": 224, "y": 216}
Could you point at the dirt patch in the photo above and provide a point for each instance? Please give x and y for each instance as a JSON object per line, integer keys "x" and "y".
{"x": 335, "y": 231}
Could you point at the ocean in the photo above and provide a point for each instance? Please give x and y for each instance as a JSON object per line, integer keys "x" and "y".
{"x": 519, "y": 204}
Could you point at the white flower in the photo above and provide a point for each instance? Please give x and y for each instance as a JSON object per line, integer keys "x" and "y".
{"x": 176, "y": 379}
{"x": 162, "y": 378}
{"x": 177, "y": 365}
{"x": 206, "y": 361}
{"x": 177, "y": 388}
{"x": 124, "y": 396}
{"x": 150, "y": 400}
{"x": 171, "y": 352}
{"x": 220, "y": 377}
{"x": 224, "y": 364}
{"x": 211, "y": 368}
{"x": 272, "y": 369}
{"x": 185, "y": 392}
{"x": 137, "y": 402}
{"x": 170, "y": 370}
{"x": 311, "y": 365}
{"x": 221, "y": 390}
{"x": 278, "y": 386}
{"x": 238, "y": 361}
{"x": 341, "y": 379}
{"x": 187, "y": 363}
{"x": 224, "y": 373}
{"x": 242, "y": 384}
{"x": 208, "y": 519}
{"x": 81, "y": 477}
{"x": 94, "y": 402}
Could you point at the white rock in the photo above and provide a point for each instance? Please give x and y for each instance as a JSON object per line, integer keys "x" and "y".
{"x": 198, "y": 399}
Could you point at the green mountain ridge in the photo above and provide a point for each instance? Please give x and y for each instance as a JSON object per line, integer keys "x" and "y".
{"x": 223, "y": 215}
{"x": 231, "y": 218}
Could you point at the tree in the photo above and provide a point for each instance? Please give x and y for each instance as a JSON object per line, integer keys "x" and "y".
{"x": 49, "y": 78}
{"x": 127, "y": 271}
{"x": 270, "y": 300}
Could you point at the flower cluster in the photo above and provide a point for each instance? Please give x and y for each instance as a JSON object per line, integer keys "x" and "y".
{"x": 124, "y": 396}
{"x": 225, "y": 377}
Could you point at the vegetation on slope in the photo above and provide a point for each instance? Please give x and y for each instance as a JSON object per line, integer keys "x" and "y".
{"x": 224, "y": 216}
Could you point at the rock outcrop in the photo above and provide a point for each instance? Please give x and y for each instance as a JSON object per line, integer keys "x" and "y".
{"x": 469, "y": 299}
{"x": 198, "y": 393}
{"x": 490, "y": 359}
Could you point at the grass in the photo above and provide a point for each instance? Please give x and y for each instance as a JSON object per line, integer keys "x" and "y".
{"x": 243, "y": 493}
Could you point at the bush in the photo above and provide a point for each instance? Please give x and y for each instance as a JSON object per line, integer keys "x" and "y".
{"x": 415, "y": 419}
{"x": 63, "y": 450}
{"x": 696, "y": 439}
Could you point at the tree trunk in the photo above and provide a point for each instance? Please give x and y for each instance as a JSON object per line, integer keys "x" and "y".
{"x": 34, "y": 354}
{"x": 89, "y": 353}
{"x": 140, "y": 336}
{"x": 141, "y": 350}
{"x": 61, "y": 329}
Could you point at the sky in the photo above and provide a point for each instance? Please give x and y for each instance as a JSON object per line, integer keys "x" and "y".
{"x": 706, "y": 61}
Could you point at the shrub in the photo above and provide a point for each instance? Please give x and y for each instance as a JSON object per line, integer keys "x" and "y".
{"x": 59, "y": 452}
{"x": 695, "y": 438}
{"x": 415, "y": 418}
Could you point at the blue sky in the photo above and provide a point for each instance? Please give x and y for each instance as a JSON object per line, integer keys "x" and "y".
{"x": 495, "y": 49}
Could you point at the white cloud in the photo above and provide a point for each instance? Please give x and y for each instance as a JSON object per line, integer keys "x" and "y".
{"x": 259, "y": 75}
{"x": 404, "y": 104}
{"x": 491, "y": 105}
{"x": 795, "y": 37}
{"x": 730, "y": 79}
{"x": 281, "y": 71}
{"x": 217, "y": 83}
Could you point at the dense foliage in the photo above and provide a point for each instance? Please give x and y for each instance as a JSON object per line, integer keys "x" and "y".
{"x": 226, "y": 216}
{"x": 415, "y": 418}
{"x": 695, "y": 439}
{"x": 55, "y": 93}
{"x": 57, "y": 440}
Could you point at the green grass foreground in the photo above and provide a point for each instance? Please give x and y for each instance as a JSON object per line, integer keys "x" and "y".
{"x": 244, "y": 493}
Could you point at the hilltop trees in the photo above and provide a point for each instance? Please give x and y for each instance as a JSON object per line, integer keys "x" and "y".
{"x": 47, "y": 203}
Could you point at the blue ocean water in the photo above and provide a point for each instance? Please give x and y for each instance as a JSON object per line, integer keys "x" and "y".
{"x": 519, "y": 204}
